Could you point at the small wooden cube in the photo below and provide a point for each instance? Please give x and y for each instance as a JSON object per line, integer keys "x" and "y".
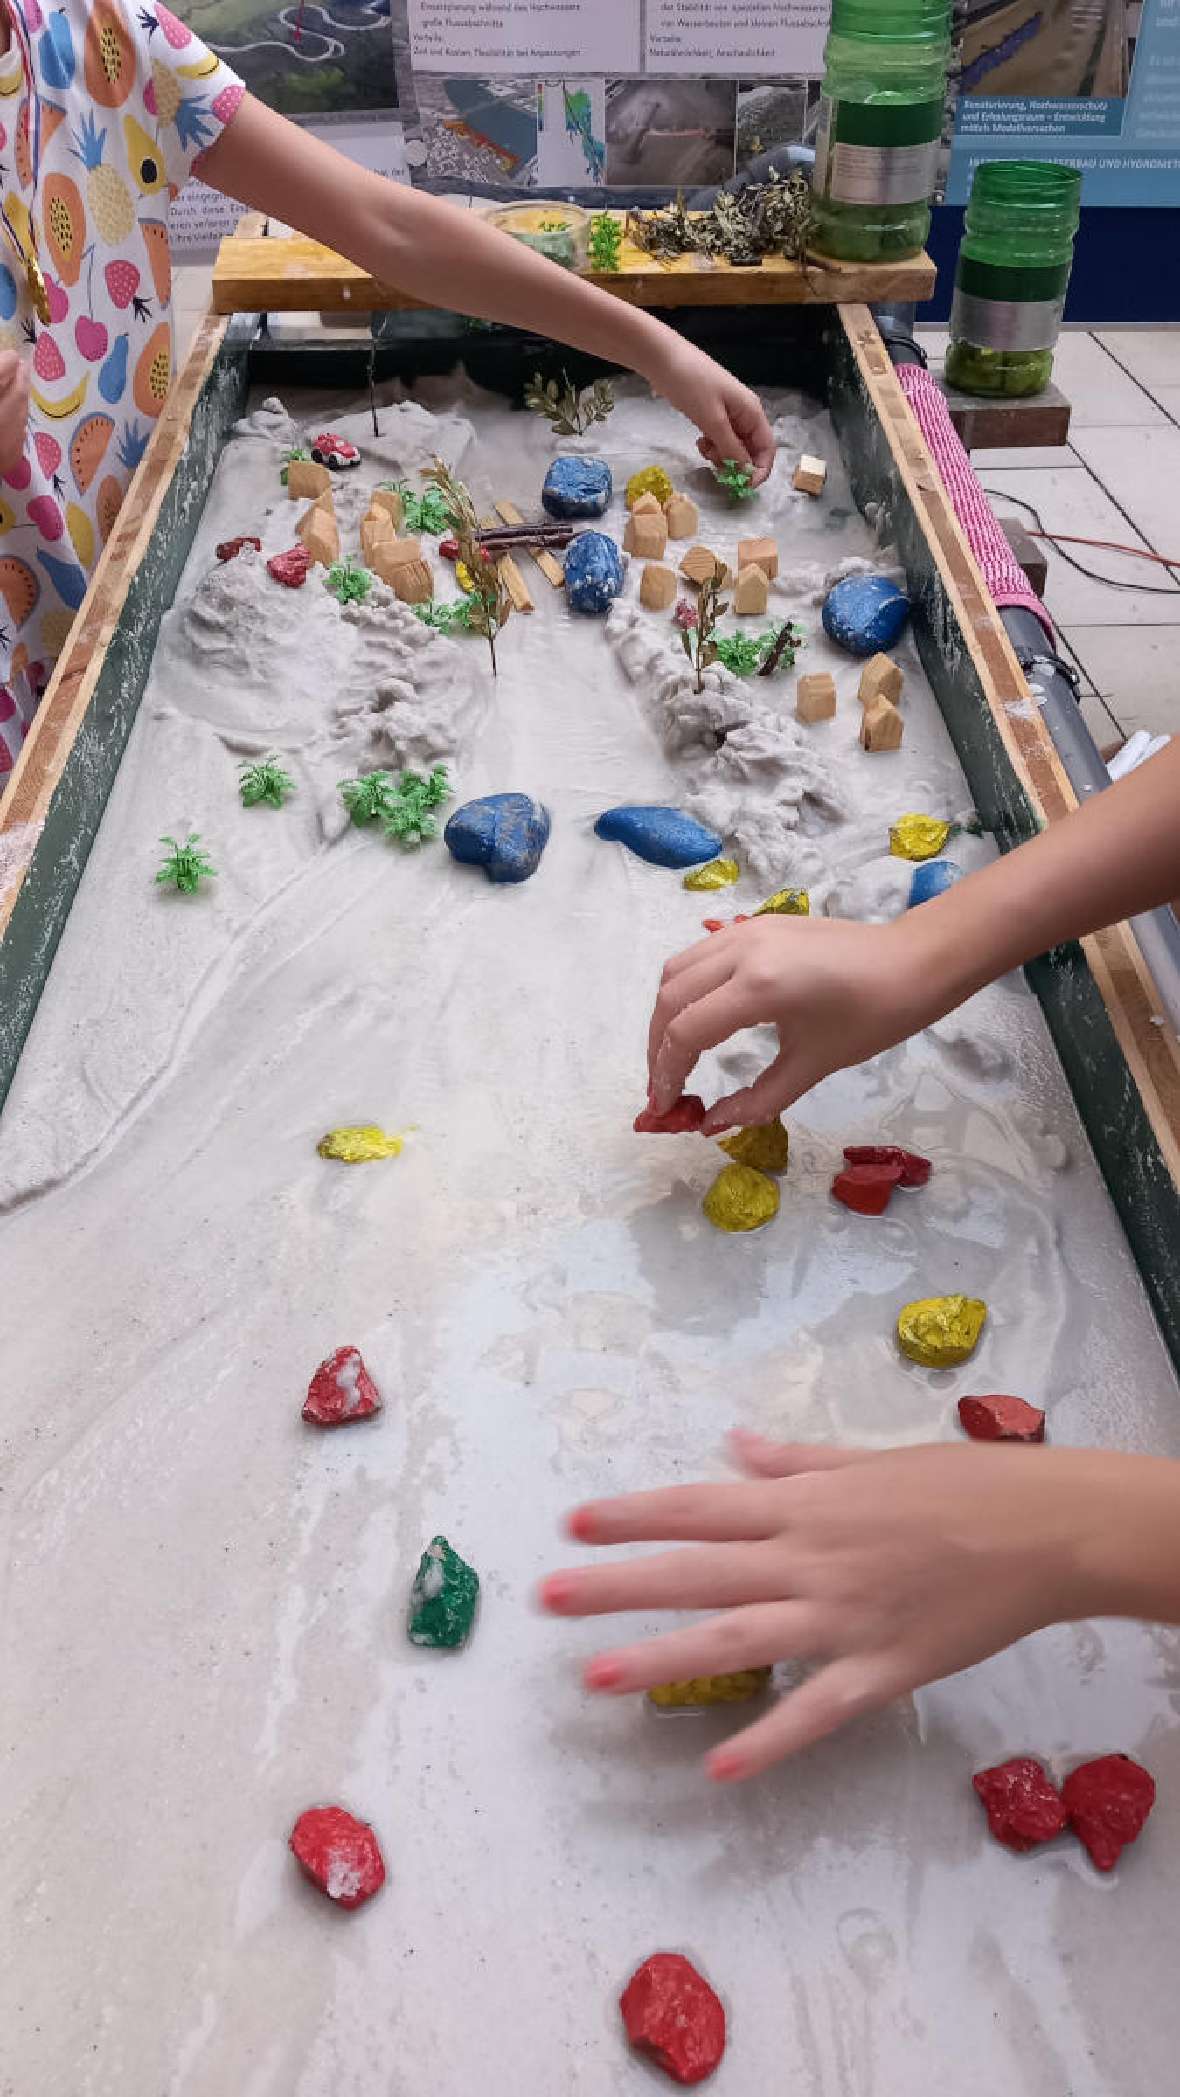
{"x": 388, "y": 555}
{"x": 657, "y": 586}
{"x": 390, "y": 501}
{"x": 758, "y": 553}
{"x": 320, "y": 533}
{"x": 700, "y": 565}
{"x": 810, "y": 475}
{"x": 306, "y": 477}
{"x": 682, "y": 517}
{"x": 881, "y": 727}
{"x": 646, "y": 535}
{"x": 815, "y": 696}
{"x": 880, "y": 679}
{"x": 647, "y": 505}
{"x": 413, "y": 582}
{"x": 376, "y": 530}
{"x": 750, "y": 592}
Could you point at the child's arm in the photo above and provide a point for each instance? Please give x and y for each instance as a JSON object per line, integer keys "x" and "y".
{"x": 839, "y": 992}
{"x": 14, "y": 407}
{"x": 449, "y": 257}
{"x": 891, "y": 1570}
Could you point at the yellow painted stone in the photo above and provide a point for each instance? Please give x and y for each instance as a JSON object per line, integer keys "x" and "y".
{"x": 720, "y": 873}
{"x": 703, "y": 1690}
{"x": 650, "y": 480}
{"x": 918, "y": 837}
{"x": 767, "y": 1148}
{"x": 786, "y": 902}
{"x": 741, "y": 1199}
{"x": 358, "y": 1145}
{"x": 939, "y": 1332}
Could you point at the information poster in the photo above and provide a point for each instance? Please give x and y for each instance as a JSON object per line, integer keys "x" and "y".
{"x": 1091, "y": 83}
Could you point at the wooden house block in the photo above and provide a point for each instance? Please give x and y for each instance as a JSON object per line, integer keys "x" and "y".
{"x": 657, "y": 587}
{"x": 700, "y": 565}
{"x": 307, "y": 477}
{"x": 750, "y": 592}
{"x": 880, "y": 679}
{"x": 682, "y": 517}
{"x": 413, "y": 582}
{"x": 881, "y": 727}
{"x": 759, "y": 553}
{"x": 810, "y": 475}
{"x": 815, "y": 696}
{"x": 376, "y": 530}
{"x": 390, "y": 501}
{"x": 320, "y": 533}
{"x": 647, "y": 505}
{"x": 646, "y": 534}
{"x": 389, "y": 555}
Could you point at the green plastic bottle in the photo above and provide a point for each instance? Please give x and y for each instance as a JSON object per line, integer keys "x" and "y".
{"x": 1011, "y": 277}
{"x": 876, "y": 159}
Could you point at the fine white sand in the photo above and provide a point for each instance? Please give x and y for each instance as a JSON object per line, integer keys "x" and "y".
{"x": 203, "y": 1603}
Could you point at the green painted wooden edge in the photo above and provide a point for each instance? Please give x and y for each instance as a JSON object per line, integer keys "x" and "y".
{"x": 1107, "y": 1097}
{"x": 71, "y": 824}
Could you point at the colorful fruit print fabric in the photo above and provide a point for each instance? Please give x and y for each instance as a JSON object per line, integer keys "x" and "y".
{"x": 129, "y": 100}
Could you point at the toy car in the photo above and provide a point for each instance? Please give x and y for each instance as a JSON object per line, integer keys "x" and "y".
{"x": 336, "y": 452}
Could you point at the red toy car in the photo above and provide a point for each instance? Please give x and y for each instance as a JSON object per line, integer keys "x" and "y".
{"x": 336, "y": 452}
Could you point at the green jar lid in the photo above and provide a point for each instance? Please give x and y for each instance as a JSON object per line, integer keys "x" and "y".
{"x": 1026, "y": 193}
{"x": 893, "y": 21}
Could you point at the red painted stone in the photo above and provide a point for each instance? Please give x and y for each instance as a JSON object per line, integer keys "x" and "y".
{"x": 449, "y": 549}
{"x": 340, "y": 1855}
{"x": 341, "y": 1391}
{"x": 999, "y": 1418}
{"x": 682, "y": 1119}
{"x": 866, "y": 1188}
{"x": 915, "y": 1170}
{"x": 290, "y": 567}
{"x": 672, "y": 2014}
{"x": 1023, "y": 1805}
{"x": 1108, "y": 1801}
{"x": 229, "y": 549}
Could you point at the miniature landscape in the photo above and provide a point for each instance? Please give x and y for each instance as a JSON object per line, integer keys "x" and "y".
{"x": 330, "y": 1135}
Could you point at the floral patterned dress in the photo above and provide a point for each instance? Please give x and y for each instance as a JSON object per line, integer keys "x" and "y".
{"x": 105, "y": 108}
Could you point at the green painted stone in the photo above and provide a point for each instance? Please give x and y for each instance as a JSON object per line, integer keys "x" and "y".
{"x": 443, "y": 1597}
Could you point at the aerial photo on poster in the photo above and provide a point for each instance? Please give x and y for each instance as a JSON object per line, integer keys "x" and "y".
{"x": 307, "y": 57}
{"x": 1052, "y": 48}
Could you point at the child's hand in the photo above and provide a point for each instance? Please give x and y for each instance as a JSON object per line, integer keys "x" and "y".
{"x": 891, "y": 1570}
{"x": 837, "y": 992}
{"x": 14, "y": 408}
{"x": 730, "y": 417}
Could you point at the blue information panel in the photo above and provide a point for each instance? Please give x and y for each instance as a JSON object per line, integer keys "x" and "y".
{"x": 1094, "y": 83}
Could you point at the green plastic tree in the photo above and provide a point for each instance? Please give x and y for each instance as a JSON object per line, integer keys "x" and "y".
{"x": 186, "y": 865}
{"x": 300, "y": 452}
{"x": 744, "y": 653}
{"x": 737, "y": 480}
{"x": 488, "y": 598}
{"x": 368, "y": 797}
{"x": 349, "y": 582}
{"x": 409, "y": 817}
{"x": 425, "y": 513}
{"x": 606, "y": 239}
{"x": 265, "y": 782}
{"x": 569, "y": 413}
{"x": 446, "y": 615}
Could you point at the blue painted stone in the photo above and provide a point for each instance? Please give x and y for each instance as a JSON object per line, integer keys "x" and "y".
{"x": 932, "y": 878}
{"x": 505, "y": 834}
{"x": 577, "y": 487}
{"x": 593, "y": 572}
{"x": 865, "y": 613}
{"x": 662, "y": 836}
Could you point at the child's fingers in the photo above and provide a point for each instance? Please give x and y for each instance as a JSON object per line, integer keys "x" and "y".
{"x": 680, "y": 1514}
{"x": 705, "y": 1576}
{"x": 741, "y": 1638}
{"x": 704, "y": 1024}
{"x": 762, "y": 1458}
{"x": 754, "y": 1104}
{"x": 844, "y": 1690}
{"x": 701, "y": 971}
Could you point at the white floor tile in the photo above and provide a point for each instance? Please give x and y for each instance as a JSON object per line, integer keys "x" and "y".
{"x": 1169, "y": 400}
{"x": 1025, "y": 455}
{"x": 1141, "y": 469}
{"x": 1151, "y": 355}
{"x": 1098, "y": 392}
{"x": 1137, "y": 671}
{"x": 1069, "y": 501}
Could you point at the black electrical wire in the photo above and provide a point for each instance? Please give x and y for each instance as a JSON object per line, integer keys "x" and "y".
{"x": 1091, "y": 574}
